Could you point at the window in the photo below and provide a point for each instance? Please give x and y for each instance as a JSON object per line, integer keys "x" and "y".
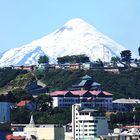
{"x": 85, "y": 134}
{"x": 91, "y": 134}
{"x": 92, "y": 125}
{"x": 96, "y": 121}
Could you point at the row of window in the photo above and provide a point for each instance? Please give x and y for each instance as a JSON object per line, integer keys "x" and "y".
{"x": 86, "y": 126}
{"x": 86, "y": 134}
{"x": 89, "y": 121}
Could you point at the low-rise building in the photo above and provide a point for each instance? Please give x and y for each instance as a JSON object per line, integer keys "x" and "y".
{"x": 125, "y": 104}
{"x": 86, "y": 83}
{"x": 124, "y": 133}
{"x": 98, "y": 99}
{"x": 88, "y": 123}
{"x": 41, "y": 131}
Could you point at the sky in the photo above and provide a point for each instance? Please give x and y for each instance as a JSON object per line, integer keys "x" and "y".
{"x": 22, "y": 21}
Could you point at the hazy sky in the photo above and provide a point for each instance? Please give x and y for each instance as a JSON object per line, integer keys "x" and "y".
{"x": 22, "y": 21}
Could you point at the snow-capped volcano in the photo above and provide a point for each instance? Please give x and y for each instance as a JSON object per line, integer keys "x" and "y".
{"x": 73, "y": 38}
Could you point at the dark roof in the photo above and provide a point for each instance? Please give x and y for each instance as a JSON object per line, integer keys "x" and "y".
{"x": 96, "y": 84}
{"x": 86, "y": 77}
{"x": 82, "y": 83}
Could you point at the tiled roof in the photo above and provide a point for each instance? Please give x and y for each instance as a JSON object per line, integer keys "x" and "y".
{"x": 80, "y": 93}
{"x": 23, "y": 102}
{"x": 59, "y": 92}
{"x": 94, "y": 92}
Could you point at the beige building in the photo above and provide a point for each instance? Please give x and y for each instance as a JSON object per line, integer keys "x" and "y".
{"x": 43, "y": 132}
{"x": 46, "y": 132}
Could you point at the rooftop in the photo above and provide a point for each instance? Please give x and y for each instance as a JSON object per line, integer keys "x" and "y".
{"x": 127, "y": 101}
{"x": 81, "y": 93}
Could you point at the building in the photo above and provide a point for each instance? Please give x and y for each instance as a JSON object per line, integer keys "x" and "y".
{"x": 97, "y": 99}
{"x": 45, "y": 132}
{"x": 27, "y": 104}
{"x": 86, "y": 83}
{"x": 70, "y": 66}
{"x": 29, "y": 68}
{"x": 125, "y": 104}
{"x": 88, "y": 123}
{"x": 124, "y": 133}
{"x": 4, "y": 112}
{"x": 41, "y": 131}
{"x": 44, "y": 66}
{"x": 36, "y": 88}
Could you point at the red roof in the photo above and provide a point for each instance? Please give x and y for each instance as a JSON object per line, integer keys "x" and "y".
{"x": 80, "y": 93}
{"x": 131, "y": 126}
{"x": 10, "y": 136}
{"x": 57, "y": 93}
{"x": 23, "y": 102}
{"x": 99, "y": 92}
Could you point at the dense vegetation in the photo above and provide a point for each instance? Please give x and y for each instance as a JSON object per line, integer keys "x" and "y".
{"x": 6, "y": 75}
{"x": 126, "y": 84}
{"x": 44, "y": 113}
{"x": 73, "y": 59}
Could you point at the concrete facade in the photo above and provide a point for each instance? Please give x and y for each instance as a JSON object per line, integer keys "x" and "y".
{"x": 88, "y": 123}
{"x": 46, "y": 132}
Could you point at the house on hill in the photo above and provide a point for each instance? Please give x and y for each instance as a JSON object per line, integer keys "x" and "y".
{"x": 86, "y": 83}
{"x": 27, "y": 104}
{"x": 36, "y": 89}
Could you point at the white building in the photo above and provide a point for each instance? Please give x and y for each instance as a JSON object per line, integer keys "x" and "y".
{"x": 97, "y": 99}
{"x": 125, "y": 133}
{"x": 88, "y": 123}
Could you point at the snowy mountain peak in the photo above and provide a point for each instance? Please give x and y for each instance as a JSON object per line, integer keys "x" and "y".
{"x": 73, "y": 38}
{"x": 77, "y": 23}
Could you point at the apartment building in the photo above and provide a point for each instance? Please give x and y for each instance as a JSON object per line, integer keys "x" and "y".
{"x": 88, "y": 123}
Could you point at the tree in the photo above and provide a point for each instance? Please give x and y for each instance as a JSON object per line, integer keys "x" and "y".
{"x": 43, "y": 59}
{"x": 126, "y": 56}
{"x": 99, "y": 63}
{"x": 44, "y": 103}
{"x": 73, "y": 59}
{"x": 114, "y": 60}
{"x": 21, "y": 94}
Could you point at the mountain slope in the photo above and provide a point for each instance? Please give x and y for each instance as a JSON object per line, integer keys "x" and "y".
{"x": 74, "y": 37}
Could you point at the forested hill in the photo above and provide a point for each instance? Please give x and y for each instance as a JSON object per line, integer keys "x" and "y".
{"x": 123, "y": 85}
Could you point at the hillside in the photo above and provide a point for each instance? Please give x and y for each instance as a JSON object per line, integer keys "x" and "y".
{"x": 126, "y": 84}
